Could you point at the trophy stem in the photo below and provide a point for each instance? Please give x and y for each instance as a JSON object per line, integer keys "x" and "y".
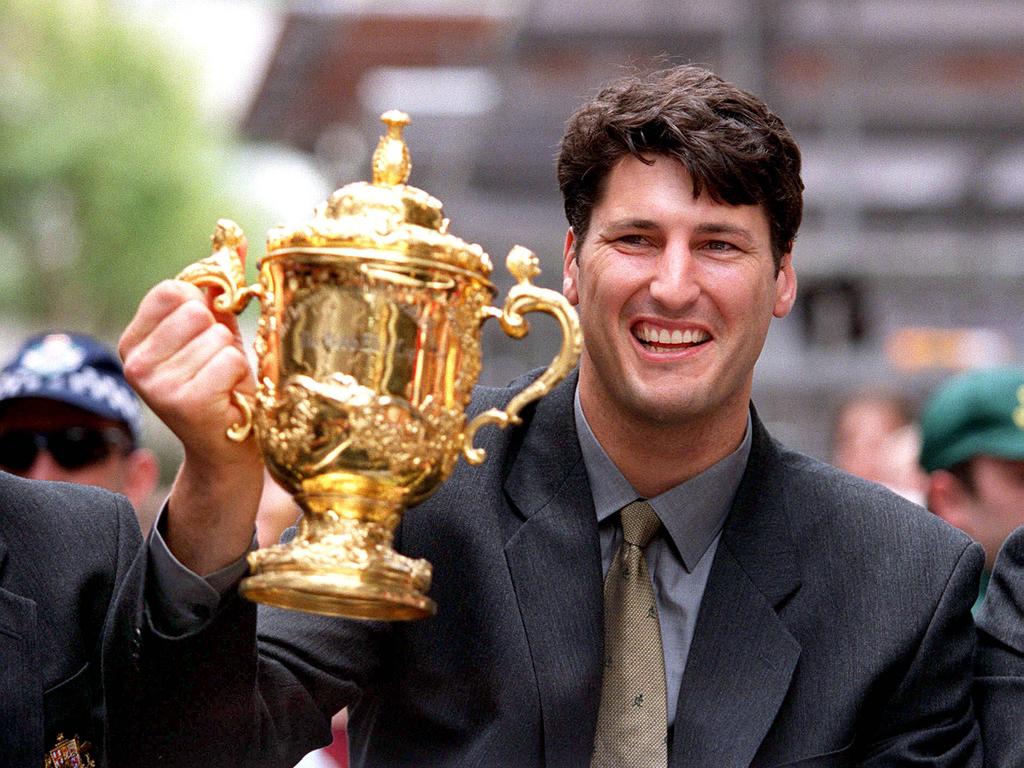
{"x": 342, "y": 563}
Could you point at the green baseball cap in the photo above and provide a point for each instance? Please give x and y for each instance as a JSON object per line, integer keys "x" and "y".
{"x": 980, "y": 412}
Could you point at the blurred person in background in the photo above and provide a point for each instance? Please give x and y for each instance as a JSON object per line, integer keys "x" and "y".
{"x": 862, "y": 424}
{"x": 972, "y": 447}
{"x": 67, "y": 413}
{"x": 999, "y": 662}
{"x": 64, "y": 552}
{"x": 874, "y": 437}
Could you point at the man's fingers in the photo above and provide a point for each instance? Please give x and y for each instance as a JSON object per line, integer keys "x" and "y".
{"x": 159, "y": 303}
{"x": 212, "y": 363}
{"x": 230, "y": 321}
{"x": 224, "y": 371}
{"x": 190, "y": 388}
{"x": 185, "y": 364}
{"x": 164, "y": 338}
{"x": 166, "y": 365}
{"x": 182, "y": 360}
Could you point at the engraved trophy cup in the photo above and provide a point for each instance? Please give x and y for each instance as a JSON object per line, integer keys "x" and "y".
{"x": 368, "y": 347}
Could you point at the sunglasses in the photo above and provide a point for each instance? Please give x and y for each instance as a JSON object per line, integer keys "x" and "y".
{"x": 71, "y": 448}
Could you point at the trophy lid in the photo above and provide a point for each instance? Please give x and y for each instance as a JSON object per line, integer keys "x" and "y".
{"x": 385, "y": 215}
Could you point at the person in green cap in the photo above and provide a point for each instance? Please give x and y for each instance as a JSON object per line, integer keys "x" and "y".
{"x": 972, "y": 447}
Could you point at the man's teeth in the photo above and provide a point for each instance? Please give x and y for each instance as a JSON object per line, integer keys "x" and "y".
{"x": 654, "y": 335}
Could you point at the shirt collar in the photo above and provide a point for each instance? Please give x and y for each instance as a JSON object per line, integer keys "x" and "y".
{"x": 692, "y": 512}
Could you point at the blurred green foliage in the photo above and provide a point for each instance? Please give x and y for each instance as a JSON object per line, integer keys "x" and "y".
{"x": 108, "y": 171}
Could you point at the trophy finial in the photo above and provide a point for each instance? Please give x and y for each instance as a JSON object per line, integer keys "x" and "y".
{"x": 391, "y": 162}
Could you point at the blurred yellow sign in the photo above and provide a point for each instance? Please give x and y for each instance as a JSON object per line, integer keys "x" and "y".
{"x": 919, "y": 349}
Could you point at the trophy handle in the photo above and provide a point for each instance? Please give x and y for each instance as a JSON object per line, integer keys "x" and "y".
{"x": 526, "y": 297}
{"x": 224, "y": 270}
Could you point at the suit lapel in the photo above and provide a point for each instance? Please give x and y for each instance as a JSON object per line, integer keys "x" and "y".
{"x": 555, "y": 563}
{"x": 742, "y": 657}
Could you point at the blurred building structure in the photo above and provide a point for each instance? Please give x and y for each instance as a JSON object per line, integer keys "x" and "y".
{"x": 909, "y": 113}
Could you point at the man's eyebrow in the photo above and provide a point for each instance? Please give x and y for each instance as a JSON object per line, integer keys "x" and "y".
{"x": 631, "y": 223}
{"x": 721, "y": 228}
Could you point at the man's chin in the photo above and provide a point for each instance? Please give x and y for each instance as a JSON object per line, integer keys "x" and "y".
{"x": 682, "y": 405}
{"x": 661, "y": 408}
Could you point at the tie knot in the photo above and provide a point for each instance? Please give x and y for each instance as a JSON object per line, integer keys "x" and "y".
{"x": 639, "y": 523}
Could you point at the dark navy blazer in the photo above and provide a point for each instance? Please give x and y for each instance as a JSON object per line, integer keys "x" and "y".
{"x": 64, "y": 550}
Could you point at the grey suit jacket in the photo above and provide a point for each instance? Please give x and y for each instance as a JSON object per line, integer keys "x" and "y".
{"x": 999, "y": 669}
{"x": 835, "y": 630}
{"x": 64, "y": 550}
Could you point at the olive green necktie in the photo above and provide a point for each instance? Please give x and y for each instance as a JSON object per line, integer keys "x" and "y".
{"x": 632, "y": 725}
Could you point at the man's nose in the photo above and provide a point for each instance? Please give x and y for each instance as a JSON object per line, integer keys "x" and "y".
{"x": 45, "y": 468}
{"x": 675, "y": 283}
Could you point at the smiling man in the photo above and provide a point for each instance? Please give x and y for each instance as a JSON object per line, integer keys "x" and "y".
{"x": 675, "y": 292}
{"x": 638, "y": 575}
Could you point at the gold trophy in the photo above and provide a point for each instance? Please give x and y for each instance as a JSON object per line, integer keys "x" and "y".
{"x": 368, "y": 347}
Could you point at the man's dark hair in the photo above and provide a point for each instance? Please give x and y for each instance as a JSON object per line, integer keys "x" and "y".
{"x": 728, "y": 141}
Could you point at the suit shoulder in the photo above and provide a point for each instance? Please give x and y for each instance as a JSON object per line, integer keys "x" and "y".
{"x": 35, "y": 509}
{"x": 501, "y": 445}
{"x": 498, "y": 397}
{"x": 838, "y": 506}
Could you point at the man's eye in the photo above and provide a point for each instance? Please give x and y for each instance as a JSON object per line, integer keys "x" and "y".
{"x": 719, "y": 245}
{"x": 632, "y": 239}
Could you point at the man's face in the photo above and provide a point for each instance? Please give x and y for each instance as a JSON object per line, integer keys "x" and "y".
{"x": 997, "y": 505}
{"x": 675, "y": 296}
{"x": 862, "y": 432}
{"x": 49, "y": 416}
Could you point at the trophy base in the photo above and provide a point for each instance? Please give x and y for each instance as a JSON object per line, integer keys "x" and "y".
{"x": 341, "y": 567}
{"x": 336, "y": 594}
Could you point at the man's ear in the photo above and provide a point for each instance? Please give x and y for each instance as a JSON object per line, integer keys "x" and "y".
{"x": 141, "y": 477}
{"x": 948, "y": 499}
{"x": 785, "y": 286}
{"x": 570, "y": 269}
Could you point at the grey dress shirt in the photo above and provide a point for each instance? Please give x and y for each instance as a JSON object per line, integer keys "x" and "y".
{"x": 678, "y": 558}
{"x": 181, "y": 600}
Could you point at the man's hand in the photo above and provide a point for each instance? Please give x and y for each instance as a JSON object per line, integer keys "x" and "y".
{"x": 184, "y": 360}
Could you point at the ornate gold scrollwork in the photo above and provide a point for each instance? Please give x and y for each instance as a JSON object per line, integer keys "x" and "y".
{"x": 522, "y": 298}
{"x": 224, "y": 270}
